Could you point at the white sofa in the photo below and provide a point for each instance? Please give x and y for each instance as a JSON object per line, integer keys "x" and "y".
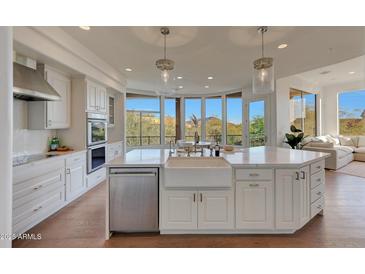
{"x": 343, "y": 149}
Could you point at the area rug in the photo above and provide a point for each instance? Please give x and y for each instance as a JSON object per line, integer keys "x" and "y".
{"x": 354, "y": 168}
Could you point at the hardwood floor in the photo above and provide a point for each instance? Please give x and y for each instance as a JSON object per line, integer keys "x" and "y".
{"x": 81, "y": 224}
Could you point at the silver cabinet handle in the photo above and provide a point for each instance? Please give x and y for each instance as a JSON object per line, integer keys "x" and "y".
{"x": 201, "y": 197}
{"x": 68, "y": 171}
{"x": 253, "y": 174}
{"x": 318, "y": 167}
{"x": 37, "y": 187}
{"x": 194, "y": 197}
{"x": 319, "y": 193}
{"x": 253, "y": 185}
{"x": 297, "y": 175}
{"x": 303, "y": 174}
{"x": 38, "y": 208}
{"x": 319, "y": 179}
{"x": 319, "y": 206}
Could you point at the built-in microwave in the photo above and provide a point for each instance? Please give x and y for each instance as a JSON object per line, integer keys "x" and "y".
{"x": 96, "y": 129}
{"x": 96, "y": 157}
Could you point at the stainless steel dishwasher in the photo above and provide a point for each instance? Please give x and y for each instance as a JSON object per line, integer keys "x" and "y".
{"x": 133, "y": 198}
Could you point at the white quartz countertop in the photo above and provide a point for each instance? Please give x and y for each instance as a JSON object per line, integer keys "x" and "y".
{"x": 246, "y": 157}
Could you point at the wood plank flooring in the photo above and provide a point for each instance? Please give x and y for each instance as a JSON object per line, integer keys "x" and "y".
{"x": 81, "y": 224}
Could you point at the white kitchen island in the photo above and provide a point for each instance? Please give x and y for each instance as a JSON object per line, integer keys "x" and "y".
{"x": 253, "y": 191}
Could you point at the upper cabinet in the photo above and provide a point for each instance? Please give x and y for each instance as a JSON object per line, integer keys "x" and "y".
{"x": 96, "y": 97}
{"x": 52, "y": 114}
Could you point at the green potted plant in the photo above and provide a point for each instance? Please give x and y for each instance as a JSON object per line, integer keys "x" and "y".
{"x": 295, "y": 138}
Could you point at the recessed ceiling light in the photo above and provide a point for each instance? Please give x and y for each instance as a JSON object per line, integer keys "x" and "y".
{"x": 282, "y": 46}
{"x": 179, "y": 77}
{"x": 85, "y": 27}
{"x": 325, "y": 72}
{"x": 210, "y": 78}
{"x": 351, "y": 72}
{"x": 180, "y": 87}
{"x": 128, "y": 69}
{"x": 206, "y": 86}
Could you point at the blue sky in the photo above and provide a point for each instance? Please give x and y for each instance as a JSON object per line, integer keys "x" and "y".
{"x": 193, "y": 106}
{"x": 352, "y": 102}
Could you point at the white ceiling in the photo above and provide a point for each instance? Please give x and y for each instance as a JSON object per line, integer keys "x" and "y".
{"x": 226, "y": 53}
{"x": 351, "y": 70}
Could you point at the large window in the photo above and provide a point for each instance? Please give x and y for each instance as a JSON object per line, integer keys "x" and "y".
{"x": 172, "y": 111}
{"x": 192, "y": 109}
{"x": 234, "y": 119}
{"x": 351, "y": 113}
{"x": 303, "y": 114}
{"x": 213, "y": 119}
{"x": 143, "y": 120}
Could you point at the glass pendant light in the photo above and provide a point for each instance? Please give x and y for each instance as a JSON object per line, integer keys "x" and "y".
{"x": 263, "y": 71}
{"x": 165, "y": 65}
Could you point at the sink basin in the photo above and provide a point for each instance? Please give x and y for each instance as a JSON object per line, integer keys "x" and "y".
{"x": 197, "y": 172}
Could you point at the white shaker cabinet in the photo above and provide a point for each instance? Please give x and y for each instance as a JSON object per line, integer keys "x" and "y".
{"x": 96, "y": 97}
{"x": 292, "y": 197}
{"x": 286, "y": 189}
{"x": 215, "y": 209}
{"x": 179, "y": 209}
{"x": 254, "y": 205}
{"x": 75, "y": 176}
{"x": 52, "y": 114}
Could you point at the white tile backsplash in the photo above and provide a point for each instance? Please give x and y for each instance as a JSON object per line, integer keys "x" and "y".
{"x": 27, "y": 141}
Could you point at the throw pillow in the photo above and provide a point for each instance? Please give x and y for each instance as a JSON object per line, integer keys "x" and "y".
{"x": 346, "y": 141}
{"x": 361, "y": 142}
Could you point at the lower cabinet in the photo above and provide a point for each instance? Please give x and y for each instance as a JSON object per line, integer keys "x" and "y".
{"x": 292, "y": 186}
{"x": 210, "y": 209}
{"x": 75, "y": 176}
{"x": 180, "y": 209}
{"x": 215, "y": 210}
{"x": 254, "y": 205}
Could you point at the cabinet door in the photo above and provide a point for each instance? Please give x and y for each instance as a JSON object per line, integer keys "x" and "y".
{"x": 255, "y": 205}
{"x": 75, "y": 181}
{"x": 101, "y": 99}
{"x": 92, "y": 95}
{"x": 58, "y": 112}
{"x": 304, "y": 196}
{"x": 179, "y": 210}
{"x": 215, "y": 210}
{"x": 286, "y": 192}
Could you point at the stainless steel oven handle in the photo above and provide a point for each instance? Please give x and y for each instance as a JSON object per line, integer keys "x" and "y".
{"x": 133, "y": 174}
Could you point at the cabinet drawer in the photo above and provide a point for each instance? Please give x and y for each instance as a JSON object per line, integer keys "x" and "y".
{"x": 317, "y": 179}
{"x": 35, "y": 169}
{"x": 75, "y": 159}
{"x": 254, "y": 174}
{"x": 96, "y": 177}
{"x": 32, "y": 189}
{"x": 35, "y": 213}
{"x": 317, "y": 192}
{"x": 317, "y": 167}
{"x": 316, "y": 207}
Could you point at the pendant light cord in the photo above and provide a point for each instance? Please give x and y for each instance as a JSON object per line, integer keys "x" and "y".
{"x": 164, "y": 46}
{"x": 262, "y": 42}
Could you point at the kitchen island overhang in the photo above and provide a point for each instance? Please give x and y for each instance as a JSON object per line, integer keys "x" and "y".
{"x": 271, "y": 191}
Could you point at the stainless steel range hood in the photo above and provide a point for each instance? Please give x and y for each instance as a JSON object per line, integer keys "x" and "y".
{"x": 30, "y": 85}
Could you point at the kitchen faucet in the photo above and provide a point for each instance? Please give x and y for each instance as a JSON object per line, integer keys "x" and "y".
{"x": 170, "y": 151}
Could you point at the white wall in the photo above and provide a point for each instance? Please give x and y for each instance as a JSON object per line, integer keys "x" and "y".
{"x": 27, "y": 141}
{"x": 283, "y": 86}
{"x": 329, "y": 104}
{"x": 6, "y": 122}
